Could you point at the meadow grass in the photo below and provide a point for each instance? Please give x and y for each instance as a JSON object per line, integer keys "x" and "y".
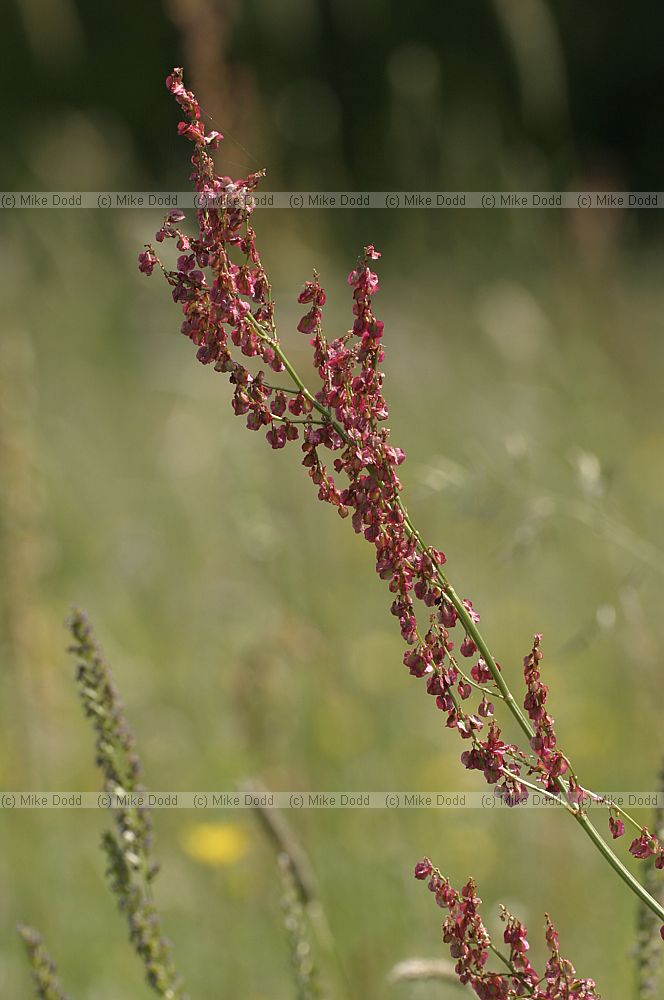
{"x": 129, "y": 488}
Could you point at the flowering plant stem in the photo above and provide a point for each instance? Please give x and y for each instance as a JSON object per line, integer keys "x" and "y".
{"x": 472, "y": 630}
{"x": 228, "y": 312}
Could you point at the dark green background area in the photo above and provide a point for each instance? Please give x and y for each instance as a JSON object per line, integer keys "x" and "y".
{"x": 106, "y": 59}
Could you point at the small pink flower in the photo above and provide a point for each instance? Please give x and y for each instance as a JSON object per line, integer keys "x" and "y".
{"x": 616, "y": 826}
{"x": 465, "y": 690}
{"x": 310, "y": 320}
{"x": 312, "y": 293}
{"x": 147, "y": 261}
{"x": 423, "y": 869}
{"x": 467, "y": 647}
{"x": 468, "y": 605}
{"x": 277, "y": 436}
{"x": 644, "y": 846}
{"x": 192, "y": 130}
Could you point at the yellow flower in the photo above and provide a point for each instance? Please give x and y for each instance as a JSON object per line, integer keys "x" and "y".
{"x": 216, "y": 843}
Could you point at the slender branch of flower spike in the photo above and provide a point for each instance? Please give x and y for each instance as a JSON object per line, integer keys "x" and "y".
{"x": 44, "y": 971}
{"x": 540, "y": 791}
{"x": 477, "y": 637}
{"x": 131, "y": 868}
{"x": 480, "y": 687}
{"x": 613, "y": 807}
{"x": 281, "y": 388}
{"x": 474, "y": 684}
{"x": 292, "y": 420}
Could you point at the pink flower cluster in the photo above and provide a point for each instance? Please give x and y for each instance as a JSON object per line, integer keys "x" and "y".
{"x": 471, "y": 946}
{"x": 223, "y": 290}
{"x": 551, "y": 761}
{"x": 225, "y": 296}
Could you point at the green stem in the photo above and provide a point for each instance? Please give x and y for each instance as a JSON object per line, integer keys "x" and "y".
{"x": 618, "y": 866}
{"x": 476, "y": 636}
{"x": 540, "y": 791}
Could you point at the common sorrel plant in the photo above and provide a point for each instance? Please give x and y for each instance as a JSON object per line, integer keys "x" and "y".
{"x": 226, "y": 298}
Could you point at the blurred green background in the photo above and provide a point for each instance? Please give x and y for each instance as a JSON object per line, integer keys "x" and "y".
{"x": 246, "y": 628}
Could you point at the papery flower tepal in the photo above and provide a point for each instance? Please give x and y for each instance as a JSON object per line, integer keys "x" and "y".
{"x": 340, "y": 425}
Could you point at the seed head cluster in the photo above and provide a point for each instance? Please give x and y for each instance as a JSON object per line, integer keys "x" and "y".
{"x": 471, "y": 946}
